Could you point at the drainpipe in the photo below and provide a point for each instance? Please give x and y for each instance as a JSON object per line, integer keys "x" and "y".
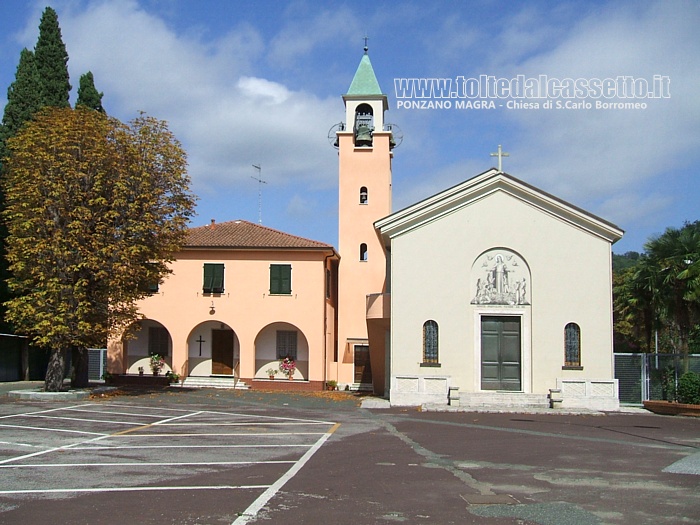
{"x": 326, "y": 260}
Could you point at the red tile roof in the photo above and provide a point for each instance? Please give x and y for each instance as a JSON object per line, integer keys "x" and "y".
{"x": 244, "y": 234}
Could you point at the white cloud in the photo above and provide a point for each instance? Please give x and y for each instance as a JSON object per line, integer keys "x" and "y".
{"x": 588, "y": 154}
{"x": 226, "y": 117}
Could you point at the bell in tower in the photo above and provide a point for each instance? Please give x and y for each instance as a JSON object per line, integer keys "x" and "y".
{"x": 363, "y": 127}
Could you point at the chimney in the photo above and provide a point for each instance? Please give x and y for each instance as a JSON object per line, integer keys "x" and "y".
{"x": 213, "y": 224}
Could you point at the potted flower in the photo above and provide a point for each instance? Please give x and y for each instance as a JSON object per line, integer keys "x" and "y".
{"x": 157, "y": 364}
{"x": 331, "y": 384}
{"x": 172, "y": 376}
{"x": 140, "y": 370}
{"x": 272, "y": 372}
{"x": 287, "y": 367}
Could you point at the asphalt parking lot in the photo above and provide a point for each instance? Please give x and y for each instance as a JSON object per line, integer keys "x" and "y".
{"x": 225, "y": 457}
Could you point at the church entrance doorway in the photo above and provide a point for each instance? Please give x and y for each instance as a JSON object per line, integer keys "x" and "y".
{"x": 500, "y": 353}
{"x": 222, "y": 352}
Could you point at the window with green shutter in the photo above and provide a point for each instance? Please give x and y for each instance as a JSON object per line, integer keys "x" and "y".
{"x": 280, "y": 279}
{"x": 213, "y": 278}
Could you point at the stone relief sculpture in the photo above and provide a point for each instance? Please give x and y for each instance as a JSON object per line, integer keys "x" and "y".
{"x": 501, "y": 278}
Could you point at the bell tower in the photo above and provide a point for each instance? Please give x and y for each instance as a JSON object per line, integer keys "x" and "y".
{"x": 364, "y": 154}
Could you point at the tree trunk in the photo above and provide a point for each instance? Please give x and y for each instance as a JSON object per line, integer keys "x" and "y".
{"x": 79, "y": 377}
{"x": 55, "y": 371}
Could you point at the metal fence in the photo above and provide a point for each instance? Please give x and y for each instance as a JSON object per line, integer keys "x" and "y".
{"x": 640, "y": 376}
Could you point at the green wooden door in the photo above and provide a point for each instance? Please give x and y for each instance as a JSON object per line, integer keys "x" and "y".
{"x": 500, "y": 353}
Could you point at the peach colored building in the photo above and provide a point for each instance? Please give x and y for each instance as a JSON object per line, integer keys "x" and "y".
{"x": 241, "y": 297}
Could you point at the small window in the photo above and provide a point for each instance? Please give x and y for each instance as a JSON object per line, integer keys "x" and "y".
{"x": 430, "y": 342}
{"x": 158, "y": 341}
{"x": 363, "y": 195}
{"x": 280, "y": 279}
{"x": 572, "y": 345}
{"x": 363, "y": 252}
{"x": 213, "y": 278}
{"x": 286, "y": 344}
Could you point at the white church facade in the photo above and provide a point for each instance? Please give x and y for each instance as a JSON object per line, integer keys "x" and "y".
{"x": 501, "y": 294}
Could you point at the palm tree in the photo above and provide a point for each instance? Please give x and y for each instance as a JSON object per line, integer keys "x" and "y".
{"x": 636, "y": 301}
{"x": 676, "y": 255}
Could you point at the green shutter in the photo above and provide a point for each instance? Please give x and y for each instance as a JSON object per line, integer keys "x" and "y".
{"x": 280, "y": 279}
{"x": 213, "y": 278}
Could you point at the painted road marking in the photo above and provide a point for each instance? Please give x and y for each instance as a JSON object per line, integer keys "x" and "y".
{"x": 147, "y": 464}
{"x": 24, "y": 427}
{"x": 134, "y": 489}
{"x": 252, "y": 511}
{"x": 172, "y": 418}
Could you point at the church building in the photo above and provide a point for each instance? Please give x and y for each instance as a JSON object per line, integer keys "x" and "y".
{"x": 489, "y": 293}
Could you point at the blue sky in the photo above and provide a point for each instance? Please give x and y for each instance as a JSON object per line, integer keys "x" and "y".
{"x": 243, "y": 83}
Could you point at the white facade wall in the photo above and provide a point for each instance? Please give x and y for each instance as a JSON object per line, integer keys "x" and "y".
{"x": 432, "y": 278}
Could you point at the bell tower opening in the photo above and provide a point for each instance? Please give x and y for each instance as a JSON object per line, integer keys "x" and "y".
{"x": 364, "y": 125}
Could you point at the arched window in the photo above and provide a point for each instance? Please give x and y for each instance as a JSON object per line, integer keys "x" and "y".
{"x": 430, "y": 342}
{"x": 363, "y": 252}
{"x": 364, "y": 125}
{"x": 363, "y": 195}
{"x": 572, "y": 345}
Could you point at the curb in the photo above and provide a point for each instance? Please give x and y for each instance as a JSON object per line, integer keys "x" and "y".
{"x": 37, "y": 395}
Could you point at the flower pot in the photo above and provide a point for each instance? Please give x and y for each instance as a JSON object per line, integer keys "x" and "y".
{"x": 290, "y": 377}
{"x": 272, "y": 377}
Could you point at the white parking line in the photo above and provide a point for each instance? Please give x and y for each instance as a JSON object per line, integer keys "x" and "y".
{"x": 266, "y": 496}
{"x": 135, "y": 489}
{"x": 245, "y": 424}
{"x": 16, "y": 444}
{"x": 24, "y": 427}
{"x": 218, "y": 434}
{"x": 167, "y": 421}
{"x": 175, "y": 419}
{"x": 109, "y": 412}
{"x": 136, "y": 447}
{"x": 130, "y": 423}
{"x": 147, "y": 464}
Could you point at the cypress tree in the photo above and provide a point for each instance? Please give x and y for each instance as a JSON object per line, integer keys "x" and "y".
{"x": 88, "y": 96}
{"x": 52, "y": 62}
{"x": 22, "y": 99}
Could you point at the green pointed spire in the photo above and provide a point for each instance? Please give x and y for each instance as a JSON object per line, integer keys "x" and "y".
{"x": 365, "y": 81}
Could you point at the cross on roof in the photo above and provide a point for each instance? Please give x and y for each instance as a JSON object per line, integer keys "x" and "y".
{"x": 500, "y": 154}
{"x": 366, "y": 39}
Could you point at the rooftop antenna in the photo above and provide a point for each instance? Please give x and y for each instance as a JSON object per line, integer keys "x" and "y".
{"x": 500, "y": 154}
{"x": 260, "y": 183}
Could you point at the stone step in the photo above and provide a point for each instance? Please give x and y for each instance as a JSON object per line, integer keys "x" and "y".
{"x": 503, "y": 400}
{"x": 214, "y": 382}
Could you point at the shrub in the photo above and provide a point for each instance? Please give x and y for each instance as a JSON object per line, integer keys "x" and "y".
{"x": 689, "y": 388}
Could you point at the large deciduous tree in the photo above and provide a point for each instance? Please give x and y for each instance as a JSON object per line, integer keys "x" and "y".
{"x": 52, "y": 62}
{"x": 23, "y": 101}
{"x": 95, "y": 211}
